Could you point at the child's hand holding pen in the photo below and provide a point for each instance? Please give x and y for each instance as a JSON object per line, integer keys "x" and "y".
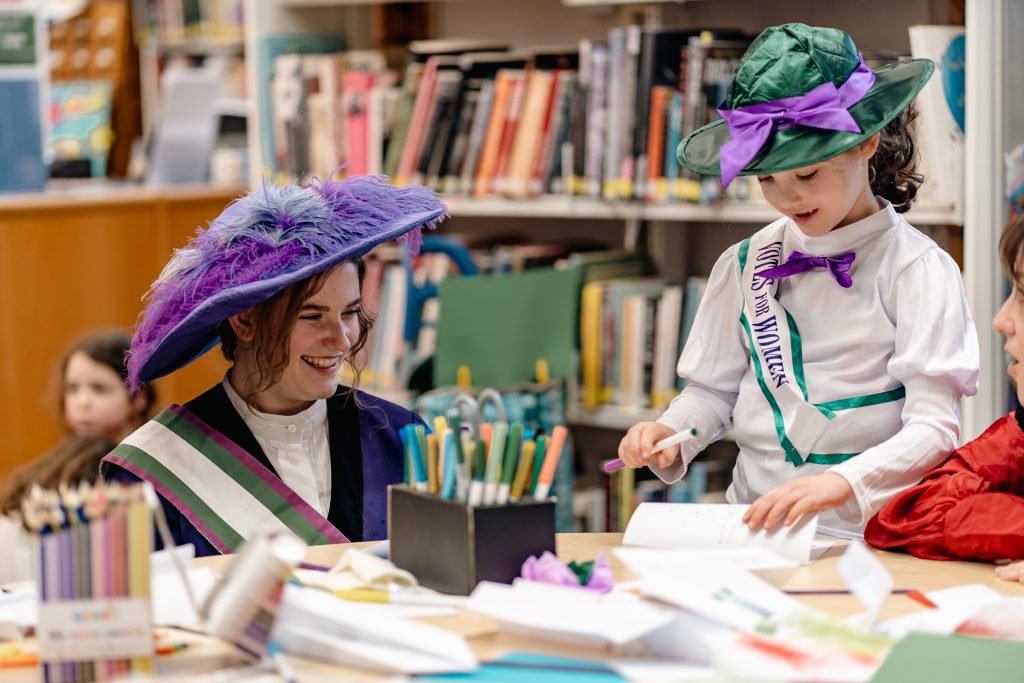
{"x": 647, "y": 439}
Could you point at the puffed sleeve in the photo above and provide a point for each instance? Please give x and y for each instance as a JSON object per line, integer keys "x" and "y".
{"x": 936, "y": 360}
{"x": 712, "y": 363}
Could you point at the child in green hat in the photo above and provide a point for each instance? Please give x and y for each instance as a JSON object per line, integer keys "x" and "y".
{"x": 837, "y": 339}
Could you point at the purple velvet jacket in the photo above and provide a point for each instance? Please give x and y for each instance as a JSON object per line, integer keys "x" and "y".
{"x": 361, "y": 469}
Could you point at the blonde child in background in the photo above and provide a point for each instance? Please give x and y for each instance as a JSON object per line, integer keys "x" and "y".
{"x": 96, "y": 410}
{"x": 837, "y": 340}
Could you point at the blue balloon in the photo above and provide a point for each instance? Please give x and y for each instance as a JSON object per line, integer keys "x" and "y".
{"x": 953, "y": 79}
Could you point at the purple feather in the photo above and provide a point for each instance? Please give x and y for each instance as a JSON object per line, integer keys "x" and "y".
{"x": 268, "y": 233}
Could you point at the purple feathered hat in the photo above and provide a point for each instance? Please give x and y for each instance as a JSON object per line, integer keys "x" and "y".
{"x": 261, "y": 243}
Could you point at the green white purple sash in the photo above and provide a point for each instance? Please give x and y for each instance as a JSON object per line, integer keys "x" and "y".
{"x": 226, "y": 493}
{"x": 777, "y": 355}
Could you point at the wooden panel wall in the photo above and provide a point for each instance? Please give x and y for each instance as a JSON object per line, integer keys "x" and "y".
{"x": 70, "y": 264}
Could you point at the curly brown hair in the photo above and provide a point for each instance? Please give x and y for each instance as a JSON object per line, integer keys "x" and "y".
{"x": 1011, "y": 250}
{"x": 273, "y": 322}
{"x": 892, "y": 170}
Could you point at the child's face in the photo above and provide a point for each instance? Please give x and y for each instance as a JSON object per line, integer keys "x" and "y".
{"x": 96, "y": 402}
{"x": 1008, "y": 321}
{"x": 825, "y": 196}
{"x": 327, "y": 327}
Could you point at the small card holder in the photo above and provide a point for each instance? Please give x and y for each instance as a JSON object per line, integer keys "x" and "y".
{"x": 450, "y": 546}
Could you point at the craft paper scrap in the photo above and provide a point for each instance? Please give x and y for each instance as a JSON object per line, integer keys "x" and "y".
{"x": 866, "y": 577}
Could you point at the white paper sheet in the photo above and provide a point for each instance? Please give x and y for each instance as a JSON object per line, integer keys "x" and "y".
{"x": 866, "y": 577}
{"x": 171, "y": 604}
{"x": 953, "y": 607}
{"x": 18, "y": 613}
{"x": 763, "y": 562}
{"x": 682, "y": 525}
{"x": 571, "y": 614}
{"x": 722, "y": 592}
{"x": 312, "y": 624}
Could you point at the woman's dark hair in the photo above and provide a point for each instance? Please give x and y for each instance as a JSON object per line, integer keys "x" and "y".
{"x": 73, "y": 460}
{"x": 273, "y": 322}
{"x": 108, "y": 347}
{"x": 1011, "y": 251}
{"x": 893, "y": 168}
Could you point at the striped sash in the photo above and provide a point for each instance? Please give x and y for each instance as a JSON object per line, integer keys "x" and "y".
{"x": 226, "y": 493}
{"x": 776, "y": 353}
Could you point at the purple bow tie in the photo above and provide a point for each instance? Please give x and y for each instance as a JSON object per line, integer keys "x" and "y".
{"x": 823, "y": 107}
{"x": 799, "y": 262}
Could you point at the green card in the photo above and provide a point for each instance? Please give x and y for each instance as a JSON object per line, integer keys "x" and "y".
{"x": 500, "y": 325}
{"x": 953, "y": 659}
{"x": 17, "y": 40}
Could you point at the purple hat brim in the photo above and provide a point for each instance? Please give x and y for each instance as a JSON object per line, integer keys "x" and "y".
{"x": 197, "y": 332}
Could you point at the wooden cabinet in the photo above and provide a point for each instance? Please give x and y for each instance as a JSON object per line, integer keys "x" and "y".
{"x": 72, "y": 262}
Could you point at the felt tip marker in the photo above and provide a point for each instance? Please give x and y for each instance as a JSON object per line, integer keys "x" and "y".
{"x": 508, "y": 466}
{"x": 476, "y": 488}
{"x": 494, "y": 457}
{"x": 551, "y": 456}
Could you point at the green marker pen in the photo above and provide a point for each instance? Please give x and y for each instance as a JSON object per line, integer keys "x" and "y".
{"x": 508, "y": 466}
{"x": 498, "y": 437}
{"x": 476, "y": 488}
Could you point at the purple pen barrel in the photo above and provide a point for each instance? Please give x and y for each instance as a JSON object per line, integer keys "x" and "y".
{"x": 614, "y": 465}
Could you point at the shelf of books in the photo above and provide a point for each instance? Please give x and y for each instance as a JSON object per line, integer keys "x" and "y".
{"x": 570, "y": 207}
{"x": 584, "y": 132}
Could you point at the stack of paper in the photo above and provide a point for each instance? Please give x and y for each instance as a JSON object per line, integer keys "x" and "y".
{"x": 312, "y": 624}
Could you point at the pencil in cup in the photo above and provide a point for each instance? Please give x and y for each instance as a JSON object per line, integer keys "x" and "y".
{"x": 676, "y": 439}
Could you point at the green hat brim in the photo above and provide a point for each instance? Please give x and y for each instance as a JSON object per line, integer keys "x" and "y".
{"x": 895, "y": 87}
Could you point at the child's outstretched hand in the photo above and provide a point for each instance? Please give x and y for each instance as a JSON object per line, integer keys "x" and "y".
{"x": 787, "y": 503}
{"x": 1011, "y": 572}
{"x": 635, "y": 447}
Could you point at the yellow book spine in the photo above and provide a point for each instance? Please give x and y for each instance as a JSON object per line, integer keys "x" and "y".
{"x": 590, "y": 343}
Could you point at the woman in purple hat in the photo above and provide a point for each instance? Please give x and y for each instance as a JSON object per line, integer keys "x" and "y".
{"x": 277, "y": 445}
{"x": 836, "y": 340}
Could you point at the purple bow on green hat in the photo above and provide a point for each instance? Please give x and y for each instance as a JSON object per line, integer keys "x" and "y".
{"x": 823, "y": 107}
{"x": 799, "y": 262}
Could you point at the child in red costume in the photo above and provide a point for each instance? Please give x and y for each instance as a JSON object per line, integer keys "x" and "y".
{"x": 972, "y": 506}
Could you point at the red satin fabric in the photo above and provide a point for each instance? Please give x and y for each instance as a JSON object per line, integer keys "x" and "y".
{"x": 969, "y": 508}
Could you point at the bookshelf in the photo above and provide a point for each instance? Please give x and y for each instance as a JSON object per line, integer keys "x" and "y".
{"x": 601, "y": 209}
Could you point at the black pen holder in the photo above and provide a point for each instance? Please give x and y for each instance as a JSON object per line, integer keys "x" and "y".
{"x": 450, "y": 546}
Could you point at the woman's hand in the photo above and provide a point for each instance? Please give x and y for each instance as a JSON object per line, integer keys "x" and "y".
{"x": 787, "y": 503}
{"x": 635, "y": 447}
{"x": 1011, "y": 572}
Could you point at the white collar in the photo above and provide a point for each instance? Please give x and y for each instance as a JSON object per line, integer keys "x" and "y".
{"x": 278, "y": 427}
{"x": 847, "y": 237}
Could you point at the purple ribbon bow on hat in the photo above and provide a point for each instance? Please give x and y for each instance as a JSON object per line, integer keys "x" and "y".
{"x": 823, "y": 107}
{"x": 799, "y": 262}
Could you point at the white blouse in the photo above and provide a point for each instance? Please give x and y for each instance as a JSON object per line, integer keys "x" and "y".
{"x": 297, "y": 446}
{"x": 904, "y": 322}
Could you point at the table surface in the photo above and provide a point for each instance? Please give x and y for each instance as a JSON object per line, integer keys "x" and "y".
{"x": 488, "y": 641}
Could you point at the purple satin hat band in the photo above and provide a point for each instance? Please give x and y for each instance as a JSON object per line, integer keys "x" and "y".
{"x": 823, "y": 107}
{"x": 799, "y": 262}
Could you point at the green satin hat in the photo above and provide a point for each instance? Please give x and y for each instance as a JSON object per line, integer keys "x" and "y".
{"x": 800, "y": 95}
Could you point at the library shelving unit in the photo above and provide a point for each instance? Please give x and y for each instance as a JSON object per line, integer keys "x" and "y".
{"x": 669, "y": 228}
